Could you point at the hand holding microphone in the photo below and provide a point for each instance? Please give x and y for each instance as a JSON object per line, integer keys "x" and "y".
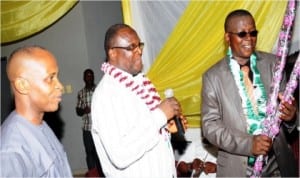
{"x": 177, "y": 117}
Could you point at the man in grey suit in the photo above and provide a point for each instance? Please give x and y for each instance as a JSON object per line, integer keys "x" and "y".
{"x": 233, "y": 110}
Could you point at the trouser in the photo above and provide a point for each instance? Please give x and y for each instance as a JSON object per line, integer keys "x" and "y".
{"x": 92, "y": 159}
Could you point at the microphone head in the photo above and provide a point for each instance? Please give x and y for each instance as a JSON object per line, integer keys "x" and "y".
{"x": 169, "y": 93}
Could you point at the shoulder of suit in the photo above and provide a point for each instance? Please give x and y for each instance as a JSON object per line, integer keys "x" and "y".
{"x": 265, "y": 55}
{"x": 266, "y": 58}
{"x": 218, "y": 68}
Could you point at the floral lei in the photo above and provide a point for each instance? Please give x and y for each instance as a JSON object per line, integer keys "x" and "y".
{"x": 271, "y": 124}
{"x": 142, "y": 88}
{"x": 254, "y": 119}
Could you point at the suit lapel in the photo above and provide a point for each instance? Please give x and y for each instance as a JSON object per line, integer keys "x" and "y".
{"x": 263, "y": 67}
{"x": 235, "y": 99}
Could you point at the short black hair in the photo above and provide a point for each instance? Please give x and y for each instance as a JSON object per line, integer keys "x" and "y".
{"x": 87, "y": 71}
{"x": 110, "y": 35}
{"x": 235, "y": 13}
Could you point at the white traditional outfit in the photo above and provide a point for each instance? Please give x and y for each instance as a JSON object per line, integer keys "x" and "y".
{"x": 128, "y": 129}
{"x": 28, "y": 150}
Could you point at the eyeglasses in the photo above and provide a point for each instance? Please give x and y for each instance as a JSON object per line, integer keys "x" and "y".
{"x": 131, "y": 47}
{"x": 243, "y": 34}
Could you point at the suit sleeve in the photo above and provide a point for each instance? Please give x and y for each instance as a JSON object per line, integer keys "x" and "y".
{"x": 217, "y": 120}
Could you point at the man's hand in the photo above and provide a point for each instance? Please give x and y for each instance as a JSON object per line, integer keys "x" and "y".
{"x": 197, "y": 164}
{"x": 171, "y": 107}
{"x": 210, "y": 167}
{"x": 287, "y": 110}
{"x": 184, "y": 169}
{"x": 172, "y": 125}
{"x": 261, "y": 144}
{"x": 184, "y": 122}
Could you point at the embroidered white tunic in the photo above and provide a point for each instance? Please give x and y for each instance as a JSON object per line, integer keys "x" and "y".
{"x": 130, "y": 139}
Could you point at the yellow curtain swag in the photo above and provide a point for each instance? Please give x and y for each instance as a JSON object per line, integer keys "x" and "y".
{"x": 21, "y": 19}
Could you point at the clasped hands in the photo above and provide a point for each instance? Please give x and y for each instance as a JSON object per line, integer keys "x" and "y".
{"x": 196, "y": 168}
{"x": 200, "y": 166}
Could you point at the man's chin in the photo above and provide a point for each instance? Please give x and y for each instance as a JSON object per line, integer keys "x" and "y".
{"x": 53, "y": 108}
{"x": 136, "y": 73}
{"x": 247, "y": 53}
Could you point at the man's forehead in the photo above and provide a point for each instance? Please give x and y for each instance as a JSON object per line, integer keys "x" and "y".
{"x": 127, "y": 33}
{"x": 233, "y": 20}
{"x": 41, "y": 63}
{"x": 237, "y": 21}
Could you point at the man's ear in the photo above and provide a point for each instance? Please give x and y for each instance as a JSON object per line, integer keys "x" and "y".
{"x": 112, "y": 54}
{"x": 227, "y": 38}
{"x": 21, "y": 85}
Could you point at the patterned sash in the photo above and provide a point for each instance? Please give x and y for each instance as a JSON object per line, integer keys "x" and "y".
{"x": 140, "y": 85}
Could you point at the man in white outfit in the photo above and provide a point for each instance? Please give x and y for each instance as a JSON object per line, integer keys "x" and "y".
{"x": 130, "y": 122}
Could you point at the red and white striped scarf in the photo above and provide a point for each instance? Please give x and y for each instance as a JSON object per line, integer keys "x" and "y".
{"x": 145, "y": 89}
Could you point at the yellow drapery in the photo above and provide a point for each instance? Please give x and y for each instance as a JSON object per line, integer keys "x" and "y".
{"x": 21, "y": 19}
{"x": 197, "y": 42}
{"x": 126, "y": 12}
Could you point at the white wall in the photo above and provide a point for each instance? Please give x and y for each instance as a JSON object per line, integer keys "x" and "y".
{"x": 77, "y": 42}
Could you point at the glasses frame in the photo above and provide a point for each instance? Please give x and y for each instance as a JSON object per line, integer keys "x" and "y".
{"x": 131, "y": 47}
{"x": 243, "y": 34}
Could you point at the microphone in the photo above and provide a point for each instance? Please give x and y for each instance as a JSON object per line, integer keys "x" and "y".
{"x": 180, "y": 130}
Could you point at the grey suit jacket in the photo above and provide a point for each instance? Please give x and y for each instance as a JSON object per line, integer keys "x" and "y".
{"x": 224, "y": 123}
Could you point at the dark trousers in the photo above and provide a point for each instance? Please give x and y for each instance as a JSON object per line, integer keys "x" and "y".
{"x": 92, "y": 159}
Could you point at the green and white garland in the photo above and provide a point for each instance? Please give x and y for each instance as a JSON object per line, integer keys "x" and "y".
{"x": 254, "y": 119}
